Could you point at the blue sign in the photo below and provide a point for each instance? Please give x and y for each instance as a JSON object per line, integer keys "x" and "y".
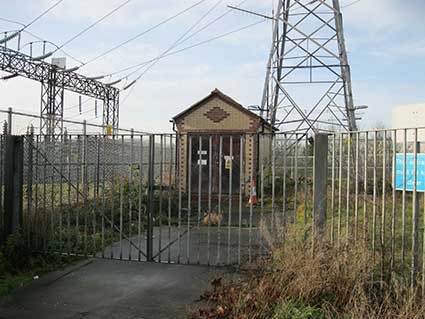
{"x": 410, "y": 167}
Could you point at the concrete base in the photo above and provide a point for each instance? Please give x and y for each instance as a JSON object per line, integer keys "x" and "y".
{"x": 101, "y": 288}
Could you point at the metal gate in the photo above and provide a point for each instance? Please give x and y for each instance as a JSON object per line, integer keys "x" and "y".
{"x": 163, "y": 197}
{"x": 186, "y": 198}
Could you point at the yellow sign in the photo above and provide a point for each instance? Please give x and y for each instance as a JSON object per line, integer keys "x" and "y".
{"x": 228, "y": 162}
{"x": 349, "y": 141}
{"x": 109, "y": 130}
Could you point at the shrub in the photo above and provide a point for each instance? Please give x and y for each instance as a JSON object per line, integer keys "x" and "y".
{"x": 16, "y": 253}
{"x": 334, "y": 282}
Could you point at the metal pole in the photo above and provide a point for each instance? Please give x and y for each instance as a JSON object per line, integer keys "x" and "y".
{"x": 149, "y": 238}
{"x": 13, "y": 184}
{"x": 320, "y": 173}
{"x": 384, "y": 206}
{"x": 415, "y": 226}
{"x": 9, "y": 121}
{"x": 333, "y": 189}
{"x": 189, "y": 199}
{"x": 345, "y": 68}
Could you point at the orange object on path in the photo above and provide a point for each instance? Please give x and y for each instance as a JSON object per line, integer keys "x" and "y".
{"x": 253, "y": 200}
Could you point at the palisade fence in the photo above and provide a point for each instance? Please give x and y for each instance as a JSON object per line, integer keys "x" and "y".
{"x": 375, "y": 197}
{"x": 138, "y": 197}
{"x": 185, "y": 199}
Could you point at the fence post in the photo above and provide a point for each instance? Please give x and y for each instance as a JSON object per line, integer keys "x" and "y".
{"x": 416, "y": 214}
{"x": 13, "y": 184}
{"x": 320, "y": 181}
{"x": 151, "y": 179}
{"x": 9, "y": 121}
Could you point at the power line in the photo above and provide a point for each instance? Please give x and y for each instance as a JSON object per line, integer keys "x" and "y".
{"x": 34, "y": 116}
{"x": 56, "y": 46}
{"x": 205, "y": 41}
{"x": 144, "y": 32}
{"x": 42, "y": 14}
{"x": 25, "y": 26}
{"x": 168, "y": 50}
{"x": 103, "y": 18}
{"x": 93, "y": 24}
{"x": 78, "y": 105}
{"x": 82, "y": 113}
{"x": 42, "y": 39}
{"x": 351, "y": 4}
{"x": 12, "y": 21}
{"x": 141, "y": 64}
{"x": 202, "y": 43}
{"x": 177, "y": 42}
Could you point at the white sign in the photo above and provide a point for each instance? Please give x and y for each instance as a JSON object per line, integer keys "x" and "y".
{"x": 59, "y": 62}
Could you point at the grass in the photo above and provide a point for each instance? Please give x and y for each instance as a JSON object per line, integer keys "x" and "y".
{"x": 290, "y": 310}
{"x": 291, "y": 282}
{"x": 40, "y": 264}
{"x": 19, "y": 265}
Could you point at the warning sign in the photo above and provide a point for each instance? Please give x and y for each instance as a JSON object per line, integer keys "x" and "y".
{"x": 228, "y": 162}
{"x": 109, "y": 130}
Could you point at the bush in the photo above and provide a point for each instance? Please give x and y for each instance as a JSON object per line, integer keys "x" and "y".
{"x": 19, "y": 264}
{"x": 16, "y": 253}
{"x": 335, "y": 282}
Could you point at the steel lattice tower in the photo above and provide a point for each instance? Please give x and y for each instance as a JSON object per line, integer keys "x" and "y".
{"x": 308, "y": 80}
{"x": 51, "y": 109}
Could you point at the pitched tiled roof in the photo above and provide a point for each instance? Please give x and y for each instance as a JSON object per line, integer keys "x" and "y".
{"x": 217, "y": 93}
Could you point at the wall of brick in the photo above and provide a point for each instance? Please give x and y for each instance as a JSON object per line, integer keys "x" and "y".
{"x": 216, "y": 115}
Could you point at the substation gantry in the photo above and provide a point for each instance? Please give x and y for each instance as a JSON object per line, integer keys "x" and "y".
{"x": 54, "y": 81}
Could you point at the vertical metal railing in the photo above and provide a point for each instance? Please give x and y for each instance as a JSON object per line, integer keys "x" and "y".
{"x": 380, "y": 185}
{"x": 186, "y": 198}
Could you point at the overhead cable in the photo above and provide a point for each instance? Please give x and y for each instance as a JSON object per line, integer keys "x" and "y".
{"x": 205, "y": 42}
{"x": 154, "y": 62}
{"x": 41, "y": 40}
{"x": 137, "y": 36}
{"x": 25, "y": 26}
{"x": 94, "y": 24}
{"x": 142, "y": 64}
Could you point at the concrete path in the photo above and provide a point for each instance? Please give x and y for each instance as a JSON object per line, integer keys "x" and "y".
{"x": 198, "y": 246}
{"x": 101, "y": 288}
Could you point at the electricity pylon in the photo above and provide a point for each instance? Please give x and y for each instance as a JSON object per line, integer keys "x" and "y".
{"x": 308, "y": 81}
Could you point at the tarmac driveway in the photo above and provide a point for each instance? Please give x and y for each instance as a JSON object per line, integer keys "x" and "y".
{"x": 101, "y": 288}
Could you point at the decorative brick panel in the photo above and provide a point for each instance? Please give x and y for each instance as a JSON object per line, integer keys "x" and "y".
{"x": 197, "y": 121}
{"x": 216, "y": 114}
{"x": 254, "y": 124}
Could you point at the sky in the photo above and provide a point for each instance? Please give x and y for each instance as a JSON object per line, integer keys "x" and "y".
{"x": 385, "y": 42}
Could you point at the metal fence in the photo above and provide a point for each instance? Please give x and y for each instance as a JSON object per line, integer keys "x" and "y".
{"x": 166, "y": 197}
{"x": 375, "y": 195}
{"x": 192, "y": 198}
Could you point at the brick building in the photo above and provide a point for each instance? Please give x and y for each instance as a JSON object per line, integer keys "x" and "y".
{"x": 201, "y": 126}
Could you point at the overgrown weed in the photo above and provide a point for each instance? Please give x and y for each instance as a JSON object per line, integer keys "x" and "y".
{"x": 336, "y": 281}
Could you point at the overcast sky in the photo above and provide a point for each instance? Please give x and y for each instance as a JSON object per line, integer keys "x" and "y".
{"x": 385, "y": 42}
